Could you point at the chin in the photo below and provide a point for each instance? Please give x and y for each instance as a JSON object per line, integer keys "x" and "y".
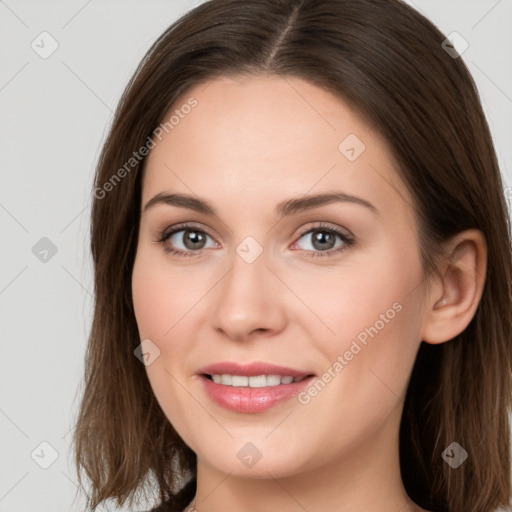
{"x": 253, "y": 460}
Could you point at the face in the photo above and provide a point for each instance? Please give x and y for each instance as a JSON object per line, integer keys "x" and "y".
{"x": 271, "y": 282}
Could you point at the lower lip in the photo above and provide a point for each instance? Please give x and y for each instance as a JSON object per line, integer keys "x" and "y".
{"x": 251, "y": 400}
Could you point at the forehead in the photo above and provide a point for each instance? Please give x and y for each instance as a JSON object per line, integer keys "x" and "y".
{"x": 283, "y": 114}
{"x": 268, "y": 135}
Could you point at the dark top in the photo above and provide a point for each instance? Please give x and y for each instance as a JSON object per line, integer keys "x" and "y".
{"x": 180, "y": 500}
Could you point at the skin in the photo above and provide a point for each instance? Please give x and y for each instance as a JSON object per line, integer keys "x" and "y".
{"x": 249, "y": 144}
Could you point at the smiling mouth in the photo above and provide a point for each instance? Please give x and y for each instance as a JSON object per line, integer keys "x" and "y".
{"x": 254, "y": 381}
{"x": 252, "y": 388}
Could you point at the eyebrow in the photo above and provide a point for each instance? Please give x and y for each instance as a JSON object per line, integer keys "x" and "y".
{"x": 283, "y": 209}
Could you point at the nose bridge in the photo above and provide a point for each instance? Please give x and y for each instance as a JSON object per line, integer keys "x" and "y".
{"x": 247, "y": 297}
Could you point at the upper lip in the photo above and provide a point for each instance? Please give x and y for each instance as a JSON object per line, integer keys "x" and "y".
{"x": 251, "y": 369}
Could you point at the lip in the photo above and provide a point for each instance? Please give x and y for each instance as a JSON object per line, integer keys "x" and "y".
{"x": 252, "y": 400}
{"x": 251, "y": 369}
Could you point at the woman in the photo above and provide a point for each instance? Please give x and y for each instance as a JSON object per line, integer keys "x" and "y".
{"x": 252, "y": 134}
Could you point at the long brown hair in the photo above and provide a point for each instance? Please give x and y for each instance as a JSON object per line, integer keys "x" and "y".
{"x": 387, "y": 62}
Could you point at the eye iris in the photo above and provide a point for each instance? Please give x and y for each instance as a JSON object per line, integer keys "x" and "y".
{"x": 193, "y": 239}
{"x": 322, "y": 237}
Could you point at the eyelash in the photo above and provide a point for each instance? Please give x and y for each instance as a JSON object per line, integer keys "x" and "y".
{"x": 348, "y": 241}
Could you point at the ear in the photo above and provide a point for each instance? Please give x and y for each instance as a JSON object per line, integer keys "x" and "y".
{"x": 453, "y": 297}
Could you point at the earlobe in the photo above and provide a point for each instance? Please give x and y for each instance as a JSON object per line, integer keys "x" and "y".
{"x": 454, "y": 297}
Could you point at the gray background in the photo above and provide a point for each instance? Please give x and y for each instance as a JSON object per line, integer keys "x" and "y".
{"x": 54, "y": 116}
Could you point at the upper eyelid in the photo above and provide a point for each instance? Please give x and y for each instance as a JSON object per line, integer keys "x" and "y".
{"x": 297, "y": 234}
{"x": 326, "y": 226}
{"x": 183, "y": 227}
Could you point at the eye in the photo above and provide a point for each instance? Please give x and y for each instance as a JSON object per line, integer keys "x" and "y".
{"x": 322, "y": 241}
{"x": 191, "y": 238}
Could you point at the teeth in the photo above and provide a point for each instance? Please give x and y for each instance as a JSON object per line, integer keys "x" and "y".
{"x": 227, "y": 380}
{"x": 239, "y": 380}
{"x": 271, "y": 380}
{"x": 257, "y": 381}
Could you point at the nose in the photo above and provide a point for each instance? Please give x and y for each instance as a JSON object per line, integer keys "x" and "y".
{"x": 249, "y": 299}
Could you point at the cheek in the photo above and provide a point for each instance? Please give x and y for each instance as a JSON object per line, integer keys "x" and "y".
{"x": 375, "y": 317}
{"x": 166, "y": 304}
{"x": 160, "y": 297}
{"x": 148, "y": 292}
{"x": 348, "y": 301}
{"x": 160, "y": 306}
